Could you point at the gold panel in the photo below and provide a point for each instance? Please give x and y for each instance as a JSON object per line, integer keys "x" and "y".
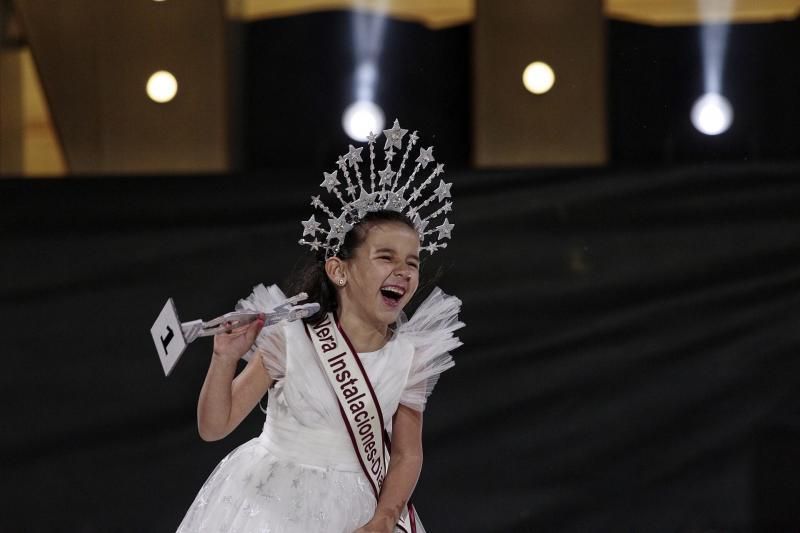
{"x": 433, "y": 13}
{"x": 11, "y": 119}
{"x": 565, "y": 126}
{"x": 442, "y": 13}
{"x": 686, "y": 12}
{"x": 42, "y": 154}
{"x": 94, "y": 58}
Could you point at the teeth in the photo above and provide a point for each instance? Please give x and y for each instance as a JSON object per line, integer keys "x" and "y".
{"x": 395, "y": 290}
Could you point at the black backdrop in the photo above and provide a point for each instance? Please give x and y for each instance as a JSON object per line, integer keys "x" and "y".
{"x": 630, "y": 358}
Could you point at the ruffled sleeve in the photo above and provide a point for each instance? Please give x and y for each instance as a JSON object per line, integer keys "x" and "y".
{"x": 270, "y": 345}
{"x": 430, "y": 332}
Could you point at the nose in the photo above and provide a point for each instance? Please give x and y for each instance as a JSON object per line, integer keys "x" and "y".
{"x": 403, "y": 273}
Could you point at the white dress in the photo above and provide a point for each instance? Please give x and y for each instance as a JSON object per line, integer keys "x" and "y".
{"x": 301, "y": 475}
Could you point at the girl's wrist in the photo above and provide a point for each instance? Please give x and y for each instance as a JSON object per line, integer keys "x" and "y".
{"x": 224, "y": 358}
{"x": 385, "y": 518}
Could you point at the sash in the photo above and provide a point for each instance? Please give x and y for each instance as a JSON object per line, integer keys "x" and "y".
{"x": 358, "y": 406}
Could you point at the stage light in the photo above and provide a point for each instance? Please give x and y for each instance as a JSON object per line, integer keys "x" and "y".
{"x": 162, "y": 86}
{"x": 362, "y": 117}
{"x": 538, "y": 77}
{"x": 712, "y": 114}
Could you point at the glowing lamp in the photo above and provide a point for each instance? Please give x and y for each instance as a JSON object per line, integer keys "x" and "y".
{"x": 538, "y": 77}
{"x": 362, "y": 117}
{"x": 162, "y": 86}
{"x": 712, "y": 114}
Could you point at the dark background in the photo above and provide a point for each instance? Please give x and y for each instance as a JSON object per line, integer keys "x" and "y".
{"x": 631, "y": 350}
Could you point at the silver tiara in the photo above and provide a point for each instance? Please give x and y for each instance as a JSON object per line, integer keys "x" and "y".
{"x": 393, "y": 193}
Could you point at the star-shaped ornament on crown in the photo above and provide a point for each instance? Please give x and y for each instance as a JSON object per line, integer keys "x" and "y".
{"x": 338, "y": 228}
{"x": 365, "y": 203}
{"x": 353, "y": 155}
{"x": 395, "y": 202}
{"x": 310, "y": 226}
{"x": 315, "y": 244}
{"x": 443, "y": 190}
{"x": 425, "y": 156}
{"x": 394, "y": 136}
{"x": 444, "y": 229}
{"x": 386, "y": 175}
{"x": 330, "y": 182}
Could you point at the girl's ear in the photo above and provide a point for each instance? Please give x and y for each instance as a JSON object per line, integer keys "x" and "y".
{"x": 335, "y": 269}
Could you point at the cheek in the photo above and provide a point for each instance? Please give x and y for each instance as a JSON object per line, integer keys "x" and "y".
{"x": 376, "y": 277}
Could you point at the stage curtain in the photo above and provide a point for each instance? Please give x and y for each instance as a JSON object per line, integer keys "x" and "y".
{"x": 630, "y": 359}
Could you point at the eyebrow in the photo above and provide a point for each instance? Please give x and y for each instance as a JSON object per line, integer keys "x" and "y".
{"x": 392, "y": 251}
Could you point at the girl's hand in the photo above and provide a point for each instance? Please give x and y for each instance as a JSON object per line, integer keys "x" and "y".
{"x": 233, "y": 344}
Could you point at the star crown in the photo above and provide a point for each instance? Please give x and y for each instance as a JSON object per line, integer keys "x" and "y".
{"x": 411, "y": 196}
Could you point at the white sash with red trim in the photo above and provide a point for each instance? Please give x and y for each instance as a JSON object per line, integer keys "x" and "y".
{"x": 358, "y": 405}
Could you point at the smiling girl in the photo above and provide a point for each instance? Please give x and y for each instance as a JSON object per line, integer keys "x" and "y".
{"x": 340, "y": 383}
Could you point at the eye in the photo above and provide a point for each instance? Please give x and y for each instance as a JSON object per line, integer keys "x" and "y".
{"x": 412, "y": 264}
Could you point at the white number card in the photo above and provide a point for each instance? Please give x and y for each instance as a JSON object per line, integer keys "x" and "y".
{"x": 168, "y": 337}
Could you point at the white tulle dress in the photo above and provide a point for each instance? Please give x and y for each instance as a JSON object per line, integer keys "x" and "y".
{"x": 301, "y": 475}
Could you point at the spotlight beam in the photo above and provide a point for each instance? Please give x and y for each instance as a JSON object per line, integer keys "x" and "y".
{"x": 712, "y": 113}
{"x": 714, "y": 41}
{"x": 369, "y": 26}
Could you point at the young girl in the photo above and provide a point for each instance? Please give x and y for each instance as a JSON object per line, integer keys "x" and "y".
{"x": 309, "y": 471}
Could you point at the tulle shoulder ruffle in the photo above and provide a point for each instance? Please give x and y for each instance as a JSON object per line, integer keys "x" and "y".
{"x": 270, "y": 344}
{"x": 430, "y": 332}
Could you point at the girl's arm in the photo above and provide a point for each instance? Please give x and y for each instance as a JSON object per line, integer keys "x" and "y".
{"x": 224, "y": 401}
{"x": 404, "y": 468}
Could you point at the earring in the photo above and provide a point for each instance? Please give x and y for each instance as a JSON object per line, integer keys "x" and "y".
{"x": 341, "y": 282}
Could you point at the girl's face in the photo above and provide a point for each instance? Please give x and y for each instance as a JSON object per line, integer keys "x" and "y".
{"x": 383, "y": 273}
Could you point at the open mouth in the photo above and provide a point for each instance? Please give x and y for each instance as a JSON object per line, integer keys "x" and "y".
{"x": 392, "y": 294}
